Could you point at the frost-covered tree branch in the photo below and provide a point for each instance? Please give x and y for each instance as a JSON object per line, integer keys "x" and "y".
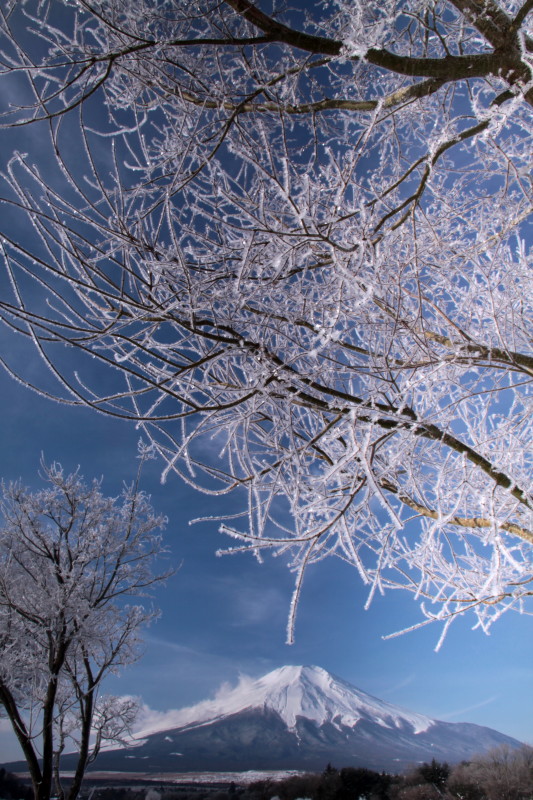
{"x": 295, "y": 247}
{"x": 68, "y": 556}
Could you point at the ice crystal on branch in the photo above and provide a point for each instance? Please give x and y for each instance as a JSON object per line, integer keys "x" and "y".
{"x": 295, "y": 246}
{"x": 69, "y": 559}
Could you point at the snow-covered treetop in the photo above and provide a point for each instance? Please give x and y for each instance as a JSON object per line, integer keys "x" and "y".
{"x": 70, "y": 559}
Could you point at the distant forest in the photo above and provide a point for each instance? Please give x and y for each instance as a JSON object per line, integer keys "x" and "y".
{"x": 502, "y": 774}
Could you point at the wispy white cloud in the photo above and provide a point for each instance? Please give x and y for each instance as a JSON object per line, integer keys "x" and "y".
{"x": 253, "y": 607}
{"x": 409, "y": 679}
{"x": 172, "y": 675}
{"x": 175, "y": 647}
{"x": 467, "y": 709}
{"x": 150, "y": 720}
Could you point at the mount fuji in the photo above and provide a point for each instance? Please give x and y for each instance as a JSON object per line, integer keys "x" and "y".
{"x": 296, "y": 718}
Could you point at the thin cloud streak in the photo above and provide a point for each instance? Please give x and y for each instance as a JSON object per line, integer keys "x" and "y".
{"x": 407, "y": 681}
{"x": 468, "y": 709}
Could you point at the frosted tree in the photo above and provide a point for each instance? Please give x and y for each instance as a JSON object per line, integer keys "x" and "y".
{"x": 293, "y": 242}
{"x": 500, "y": 774}
{"x": 69, "y": 559}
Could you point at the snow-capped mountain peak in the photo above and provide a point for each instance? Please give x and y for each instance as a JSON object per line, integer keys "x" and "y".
{"x": 315, "y": 694}
{"x": 295, "y": 692}
{"x": 293, "y": 718}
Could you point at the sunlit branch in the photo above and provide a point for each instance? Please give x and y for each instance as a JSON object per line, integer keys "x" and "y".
{"x": 463, "y": 522}
{"x": 293, "y": 249}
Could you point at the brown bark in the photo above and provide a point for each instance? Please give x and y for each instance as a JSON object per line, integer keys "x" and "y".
{"x": 41, "y": 790}
{"x": 487, "y": 17}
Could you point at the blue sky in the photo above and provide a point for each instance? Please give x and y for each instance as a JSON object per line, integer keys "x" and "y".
{"x": 226, "y": 616}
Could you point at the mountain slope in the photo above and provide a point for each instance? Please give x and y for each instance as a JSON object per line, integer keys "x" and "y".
{"x": 295, "y": 692}
{"x": 295, "y": 718}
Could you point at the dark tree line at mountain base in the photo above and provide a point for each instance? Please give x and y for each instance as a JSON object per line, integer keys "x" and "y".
{"x": 11, "y": 788}
{"x": 501, "y": 774}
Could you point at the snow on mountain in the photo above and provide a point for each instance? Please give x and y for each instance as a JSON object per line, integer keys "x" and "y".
{"x": 294, "y": 692}
{"x": 293, "y": 718}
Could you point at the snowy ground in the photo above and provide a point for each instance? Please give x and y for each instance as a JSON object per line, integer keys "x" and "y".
{"x": 242, "y": 778}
